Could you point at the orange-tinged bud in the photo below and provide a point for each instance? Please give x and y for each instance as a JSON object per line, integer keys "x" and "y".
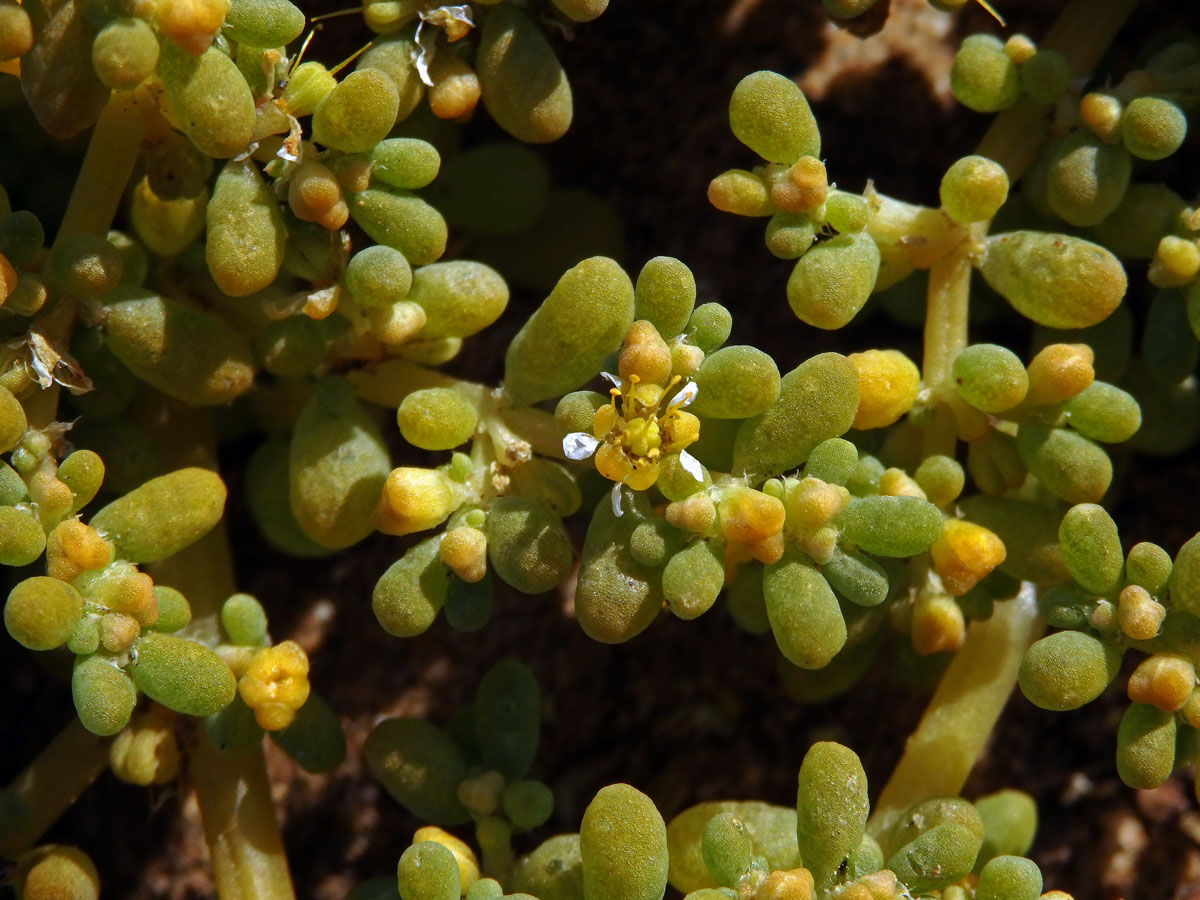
{"x": 786, "y": 884}
{"x": 118, "y": 631}
{"x": 1101, "y": 113}
{"x": 132, "y": 593}
{"x": 8, "y": 278}
{"x": 937, "y": 624}
{"x": 882, "y": 884}
{"x": 898, "y": 483}
{"x": 750, "y": 516}
{"x": 315, "y": 195}
{"x": 192, "y": 24}
{"x": 821, "y": 544}
{"x": 1058, "y": 373}
{"x": 464, "y": 550}
{"x": 50, "y": 494}
{"x": 1164, "y": 680}
{"x": 964, "y": 554}
{"x": 645, "y": 354}
{"x": 696, "y": 513}
{"x": 455, "y": 91}
{"x": 413, "y": 500}
{"x": 72, "y": 548}
{"x": 769, "y": 549}
{"x": 809, "y": 177}
{"x": 147, "y": 751}
{"x": 686, "y": 359}
{"x": 353, "y": 172}
{"x": 1139, "y": 615}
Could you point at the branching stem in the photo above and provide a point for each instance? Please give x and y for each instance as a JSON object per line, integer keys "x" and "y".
{"x": 942, "y": 751}
{"x": 248, "y": 859}
{"x": 50, "y": 784}
{"x": 970, "y": 697}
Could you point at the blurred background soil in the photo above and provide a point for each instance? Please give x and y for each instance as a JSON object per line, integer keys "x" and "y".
{"x": 688, "y": 711}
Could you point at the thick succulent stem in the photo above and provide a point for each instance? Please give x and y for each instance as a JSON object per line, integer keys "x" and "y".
{"x": 942, "y": 751}
{"x": 248, "y": 859}
{"x": 945, "y": 338}
{"x": 106, "y": 168}
{"x": 50, "y": 784}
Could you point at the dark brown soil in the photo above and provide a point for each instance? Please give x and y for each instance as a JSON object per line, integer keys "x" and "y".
{"x": 689, "y": 711}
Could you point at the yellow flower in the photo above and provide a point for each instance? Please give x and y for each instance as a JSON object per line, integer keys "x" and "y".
{"x": 630, "y": 435}
{"x": 276, "y": 685}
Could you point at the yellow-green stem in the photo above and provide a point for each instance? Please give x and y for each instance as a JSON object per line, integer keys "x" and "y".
{"x": 945, "y": 337}
{"x": 942, "y": 751}
{"x": 50, "y": 784}
{"x": 246, "y": 849}
{"x": 974, "y": 689}
{"x": 244, "y": 844}
{"x": 107, "y": 165}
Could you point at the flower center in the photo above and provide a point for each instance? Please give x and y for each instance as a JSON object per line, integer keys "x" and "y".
{"x": 643, "y": 436}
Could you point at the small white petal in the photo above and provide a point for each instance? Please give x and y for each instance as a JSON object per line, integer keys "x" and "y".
{"x": 579, "y": 445}
{"x": 616, "y": 500}
{"x": 427, "y": 45}
{"x": 691, "y": 465}
{"x": 686, "y": 395}
{"x": 610, "y": 377}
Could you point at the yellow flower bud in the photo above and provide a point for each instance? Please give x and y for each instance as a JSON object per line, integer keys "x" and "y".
{"x": 786, "y": 884}
{"x": 1164, "y": 680}
{"x": 464, "y": 550}
{"x": 72, "y": 548}
{"x": 468, "y": 865}
{"x": 1101, "y": 113}
{"x": 1058, "y": 373}
{"x": 696, "y": 513}
{"x": 132, "y": 592}
{"x": 881, "y": 884}
{"x": 686, "y": 359}
{"x": 1176, "y": 262}
{"x": 275, "y": 684}
{"x": 146, "y": 751}
{"x": 811, "y": 180}
{"x": 888, "y": 382}
{"x": 644, "y": 354}
{"x": 1139, "y": 615}
{"x": 481, "y": 793}
{"x": 964, "y": 554}
{"x": 937, "y": 624}
{"x": 414, "y": 500}
{"x": 813, "y": 503}
{"x": 898, "y": 483}
{"x": 820, "y": 544}
{"x": 191, "y": 24}
{"x": 750, "y": 516}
